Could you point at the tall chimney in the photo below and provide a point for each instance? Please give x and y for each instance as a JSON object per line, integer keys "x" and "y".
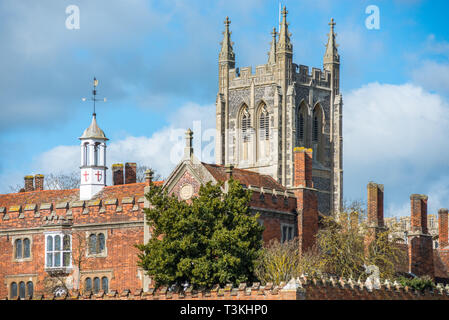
{"x": 375, "y": 213}
{"x": 306, "y": 199}
{"x": 303, "y": 167}
{"x": 375, "y": 204}
{"x": 420, "y": 244}
{"x": 39, "y": 182}
{"x": 130, "y": 172}
{"x": 29, "y": 184}
{"x": 443, "y": 240}
{"x": 418, "y": 213}
{"x": 117, "y": 174}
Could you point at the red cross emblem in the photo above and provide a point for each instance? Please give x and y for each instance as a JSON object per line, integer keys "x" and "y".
{"x": 99, "y": 175}
{"x": 85, "y": 175}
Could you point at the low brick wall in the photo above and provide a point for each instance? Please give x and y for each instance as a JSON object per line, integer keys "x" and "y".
{"x": 296, "y": 289}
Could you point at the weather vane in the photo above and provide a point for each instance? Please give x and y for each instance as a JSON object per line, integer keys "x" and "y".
{"x": 94, "y": 97}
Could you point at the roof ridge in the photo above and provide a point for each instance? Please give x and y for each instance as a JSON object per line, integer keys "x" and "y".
{"x": 28, "y": 192}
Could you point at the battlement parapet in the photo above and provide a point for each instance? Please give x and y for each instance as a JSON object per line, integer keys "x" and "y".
{"x": 317, "y": 77}
{"x": 241, "y": 77}
{"x": 66, "y": 213}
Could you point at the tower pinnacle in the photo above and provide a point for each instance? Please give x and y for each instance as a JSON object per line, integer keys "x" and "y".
{"x": 226, "y": 52}
{"x": 331, "y": 55}
{"x": 284, "y": 43}
{"x": 272, "y": 53}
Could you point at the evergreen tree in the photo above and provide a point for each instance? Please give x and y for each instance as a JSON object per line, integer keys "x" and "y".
{"x": 213, "y": 240}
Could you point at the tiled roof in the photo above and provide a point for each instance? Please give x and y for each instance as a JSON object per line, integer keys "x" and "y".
{"x": 38, "y": 197}
{"x": 245, "y": 177}
{"x": 47, "y": 196}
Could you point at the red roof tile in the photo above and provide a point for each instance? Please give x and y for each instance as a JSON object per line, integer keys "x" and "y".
{"x": 47, "y": 196}
{"x": 245, "y": 177}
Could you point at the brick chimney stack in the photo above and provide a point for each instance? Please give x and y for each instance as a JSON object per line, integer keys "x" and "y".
{"x": 130, "y": 172}
{"x": 39, "y": 182}
{"x": 443, "y": 240}
{"x": 306, "y": 199}
{"x": 420, "y": 245}
{"x": 375, "y": 204}
{"x": 303, "y": 167}
{"x": 117, "y": 174}
{"x": 375, "y": 212}
{"x": 418, "y": 221}
{"x": 29, "y": 183}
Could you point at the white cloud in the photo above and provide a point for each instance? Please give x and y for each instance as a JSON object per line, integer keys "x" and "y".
{"x": 433, "y": 76}
{"x": 162, "y": 150}
{"x": 396, "y": 135}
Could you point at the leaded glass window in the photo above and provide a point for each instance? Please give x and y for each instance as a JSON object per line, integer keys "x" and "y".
{"x": 26, "y": 248}
{"x": 19, "y": 249}
{"x": 13, "y": 290}
{"x": 88, "y": 284}
{"x": 264, "y": 126}
{"x": 30, "y": 289}
{"x": 22, "y": 290}
{"x": 104, "y": 284}
{"x": 58, "y": 251}
{"x": 96, "y": 284}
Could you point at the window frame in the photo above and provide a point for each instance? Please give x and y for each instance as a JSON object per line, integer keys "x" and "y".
{"x": 14, "y": 248}
{"x": 17, "y": 279}
{"x": 96, "y": 254}
{"x": 289, "y": 227}
{"x": 92, "y": 274}
{"x": 61, "y": 251}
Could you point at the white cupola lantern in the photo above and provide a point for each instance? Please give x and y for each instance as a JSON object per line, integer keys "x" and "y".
{"x": 93, "y": 161}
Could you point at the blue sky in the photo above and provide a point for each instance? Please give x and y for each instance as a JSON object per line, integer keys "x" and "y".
{"x": 157, "y": 65}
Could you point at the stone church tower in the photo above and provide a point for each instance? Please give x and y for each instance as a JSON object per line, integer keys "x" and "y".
{"x": 262, "y": 117}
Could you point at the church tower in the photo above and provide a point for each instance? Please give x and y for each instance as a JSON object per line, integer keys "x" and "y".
{"x": 262, "y": 116}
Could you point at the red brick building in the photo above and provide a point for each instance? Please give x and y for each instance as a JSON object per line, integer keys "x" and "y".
{"x": 52, "y": 241}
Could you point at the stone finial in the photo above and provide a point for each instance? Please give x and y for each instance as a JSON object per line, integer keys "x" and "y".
{"x": 149, "y": 174}
{"x": 188, "y": 150}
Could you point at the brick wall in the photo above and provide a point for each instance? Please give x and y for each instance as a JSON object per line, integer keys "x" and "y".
{"x": 299, "y": 289}
{"x": 118, "y": 216}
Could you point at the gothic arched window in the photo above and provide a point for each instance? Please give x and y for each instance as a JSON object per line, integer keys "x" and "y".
{"x": 264, "y": 126}
{"x": 245, "y": 132}
{"x": 301, "y": 130}
{"x": 317, "y": 127}
{"x": 264, "y": 132}
{"x": 246, "y": 126}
